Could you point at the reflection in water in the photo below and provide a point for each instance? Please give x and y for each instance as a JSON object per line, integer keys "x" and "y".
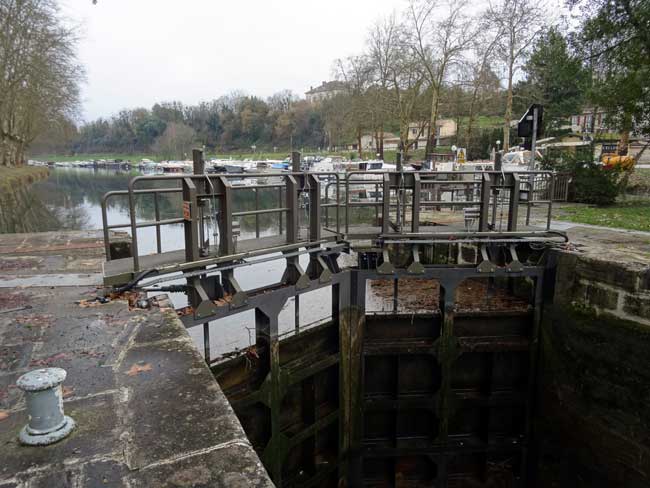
{"x": 70, "y": 199}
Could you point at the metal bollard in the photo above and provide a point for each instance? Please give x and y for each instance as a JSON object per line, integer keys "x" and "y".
{"x": 44, "y": 395}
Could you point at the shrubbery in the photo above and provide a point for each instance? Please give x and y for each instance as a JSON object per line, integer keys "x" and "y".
{"x": 592, "y": 182}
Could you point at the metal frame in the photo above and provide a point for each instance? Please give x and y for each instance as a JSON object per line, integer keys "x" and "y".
{"x": 349, "y": 317}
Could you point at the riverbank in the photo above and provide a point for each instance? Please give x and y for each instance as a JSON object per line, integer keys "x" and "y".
{"x": 22, "y": 175}
{"x": 20, "y": 210}
{"x": 389, "y": 155}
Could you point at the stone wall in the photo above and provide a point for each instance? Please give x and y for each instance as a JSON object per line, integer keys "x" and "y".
{"x": 593, "y": 420}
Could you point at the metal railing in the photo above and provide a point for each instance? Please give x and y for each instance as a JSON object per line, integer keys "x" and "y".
{"x": 403, "y": 203}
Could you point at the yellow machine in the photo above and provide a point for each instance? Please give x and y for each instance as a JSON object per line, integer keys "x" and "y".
{"x": 614, "y": 161}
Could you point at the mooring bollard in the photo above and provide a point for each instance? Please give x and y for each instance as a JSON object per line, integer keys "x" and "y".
{"x": 47, "y": 422}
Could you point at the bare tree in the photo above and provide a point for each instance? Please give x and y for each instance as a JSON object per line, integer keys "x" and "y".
{"x": 281, "y": 101}
{"x": 383, "y": 42}
{"x": 518, "y": 23}
{"x": 175, "y": 142}
{"x": 355, "y": 73}
{"x": 39, "y": 74}
{"x": 484, "y": 46}
{"x": 438, "y": 35}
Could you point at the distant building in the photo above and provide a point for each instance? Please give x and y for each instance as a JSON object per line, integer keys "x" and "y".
{"x": 446, "y": 129}
{"x": 589, "y": 118}
{"x": 326, "y": 90}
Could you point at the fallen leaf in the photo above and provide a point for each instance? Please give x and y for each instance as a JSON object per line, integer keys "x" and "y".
{"x": 3, "y": 415}
{"x": 68, "y": 391}
{"x": 50, "y": 360}
{"x": 137, "y": 368}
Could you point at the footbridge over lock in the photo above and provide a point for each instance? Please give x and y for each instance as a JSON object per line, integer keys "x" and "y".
{"x": 423, "y": 374}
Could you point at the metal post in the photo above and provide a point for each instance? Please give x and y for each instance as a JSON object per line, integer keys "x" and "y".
{"x": 385, "y": 212}
{"x": 191, "y": 221}
{"x": 157, "y": 213}
{"x": 550, "y": 202}
{"x": 280, "y": 214}
{"x": 533, "y": 145}
{"x": 292, "y": 205}
{"x": 486, "y": 189}
{"x": 206, "y": 342}
{"x": 226, "y": 244}
{"x": 295, "y": 161}
{"x": 107, "y": 244}
{"x": 314, "y": 208}
{"x": 498, "y": 161}
{"x": 257, "y": 217}
{"x": 513, "y": 210}
{"x": 415, "y": 215}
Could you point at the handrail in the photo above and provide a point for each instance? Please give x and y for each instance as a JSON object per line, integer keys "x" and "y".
{"x": 540, "y": 186}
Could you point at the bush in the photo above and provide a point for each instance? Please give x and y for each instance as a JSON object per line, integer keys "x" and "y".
{"x": 596, "y": 184}
{"x": 592, "y": 182}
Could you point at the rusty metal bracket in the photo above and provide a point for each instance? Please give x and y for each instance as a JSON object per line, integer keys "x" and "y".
{"x": 486, "y": 266}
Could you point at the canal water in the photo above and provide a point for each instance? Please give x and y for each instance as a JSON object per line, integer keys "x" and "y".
{"x": 70, "y": 199}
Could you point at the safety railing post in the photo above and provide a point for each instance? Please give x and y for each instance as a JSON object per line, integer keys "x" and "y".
{"x": 156, "y": 207}
{"x": 280, "y": 214}
{"x": 550, "y": 202}
{"x": 134, "y": 227}
{"x": 314, "y": 208}
{"x": 292, "y": 205}
{"x": 191, "y": 221}
{"x": 226, "y": 243}
{"x": 257, "y": 217}
{"x": 107, "y": 243}
{"x": 513, "y": 210}
{"x": 486, "y": 190}
{"x": 385, "y": 213}
{"x": 415, "y": 216}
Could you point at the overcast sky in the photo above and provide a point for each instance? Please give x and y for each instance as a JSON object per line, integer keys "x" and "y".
{"x": 138, "y": 52}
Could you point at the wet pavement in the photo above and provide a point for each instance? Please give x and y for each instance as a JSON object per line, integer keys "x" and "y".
{"x": 147, "y": 408}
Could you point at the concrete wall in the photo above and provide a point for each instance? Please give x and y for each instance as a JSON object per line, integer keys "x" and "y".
{"x": 593, "y": 418}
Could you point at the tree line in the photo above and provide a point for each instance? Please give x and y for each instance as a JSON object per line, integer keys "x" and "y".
{"x": 433, "y": 59}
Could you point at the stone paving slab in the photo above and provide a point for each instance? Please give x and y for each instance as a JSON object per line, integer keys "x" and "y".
{"x": 149, "y": 412}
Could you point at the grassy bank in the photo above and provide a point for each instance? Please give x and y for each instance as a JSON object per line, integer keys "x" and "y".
{"x": 633, "y": 215}
{"x": 12, "y": 177}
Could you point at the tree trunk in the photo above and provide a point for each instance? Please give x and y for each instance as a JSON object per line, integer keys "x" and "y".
{"x": 470, "y": 121}
{"x": 508, "y": 114}
{"x": 380, "y": 144}
{"x": 626, "y": 127}
{"x": 359, "y": 144}
{"x": 431, "y": 140}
